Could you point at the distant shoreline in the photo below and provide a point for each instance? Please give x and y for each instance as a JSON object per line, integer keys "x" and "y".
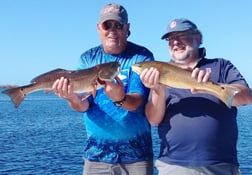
{"x": 7, "y": 86}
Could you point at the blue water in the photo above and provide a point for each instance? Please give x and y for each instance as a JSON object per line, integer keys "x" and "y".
{"x": 44, "y": 136}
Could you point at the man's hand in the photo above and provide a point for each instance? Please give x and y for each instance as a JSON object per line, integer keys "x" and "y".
{"x": 115, "y": 90}
{"x": 62, "y": 89}
{"x": 150, "y": 79}
{"x": 202, "y": 76}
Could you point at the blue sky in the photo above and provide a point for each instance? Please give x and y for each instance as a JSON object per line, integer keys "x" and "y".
{"x": 37, "y": 36}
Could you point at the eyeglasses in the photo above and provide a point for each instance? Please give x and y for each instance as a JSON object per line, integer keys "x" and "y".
{"x": 108, "y": 25}
{"x": 183, "y": 36}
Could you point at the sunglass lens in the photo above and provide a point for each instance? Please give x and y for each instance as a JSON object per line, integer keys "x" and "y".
{"x": 108, "y": 25}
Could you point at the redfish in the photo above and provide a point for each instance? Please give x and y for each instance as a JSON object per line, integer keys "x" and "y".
{"x": 174, "y": 76}
{"x": 83, "y": 81}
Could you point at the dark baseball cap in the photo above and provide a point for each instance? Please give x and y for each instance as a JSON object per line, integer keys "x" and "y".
{"x": 179, "y": 25}
{"x": 113, "y": 11}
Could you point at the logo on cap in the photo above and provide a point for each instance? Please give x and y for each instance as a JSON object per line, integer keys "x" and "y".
{"x": 173, "y": 24}
{"x": 111, "y": 9}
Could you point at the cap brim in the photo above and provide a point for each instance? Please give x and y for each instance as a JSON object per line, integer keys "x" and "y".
{"x": 112, "y": 17}
{"x": 165, "y": 36}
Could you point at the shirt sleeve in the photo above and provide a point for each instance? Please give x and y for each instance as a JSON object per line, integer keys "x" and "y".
{"x": 232, "y": 75}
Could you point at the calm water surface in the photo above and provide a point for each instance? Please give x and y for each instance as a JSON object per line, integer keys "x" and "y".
{"x": 44, "y": 136}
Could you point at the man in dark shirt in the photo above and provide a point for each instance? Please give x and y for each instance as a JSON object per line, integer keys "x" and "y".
{"x": 198, "y": 131}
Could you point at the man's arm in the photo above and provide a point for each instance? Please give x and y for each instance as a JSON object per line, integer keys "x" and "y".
{"x": 155, "y": 108}
{"x": 244, "y": 97}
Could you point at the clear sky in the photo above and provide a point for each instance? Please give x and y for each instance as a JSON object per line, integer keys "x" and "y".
{"x": 37, "y": 36}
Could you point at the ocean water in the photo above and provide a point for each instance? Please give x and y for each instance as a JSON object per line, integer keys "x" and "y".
{"x": 44, "y": 136}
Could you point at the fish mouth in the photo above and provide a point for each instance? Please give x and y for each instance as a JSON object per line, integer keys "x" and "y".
{"x": 100, "y": 81}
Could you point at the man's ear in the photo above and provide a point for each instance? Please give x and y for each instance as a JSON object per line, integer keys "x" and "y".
{"x": 199, "y": 38}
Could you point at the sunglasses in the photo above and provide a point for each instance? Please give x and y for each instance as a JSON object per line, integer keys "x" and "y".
{"x": 183, "y": 36}
{"x": 109, "y": 25}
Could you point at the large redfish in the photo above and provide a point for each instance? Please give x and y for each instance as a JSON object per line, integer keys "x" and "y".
{"x": 174, "y": 76}
{"x": 86, "y": 80}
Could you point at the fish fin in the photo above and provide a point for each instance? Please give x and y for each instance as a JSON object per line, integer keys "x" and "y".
{"x": 93, "y": 93}
{"x": 16, "y": 94}
{"x": 59, "y": 72}
{"x": 94, "y": 90}
{"x": 48, "y": 91}
{"x": 85, "y": 96}
{"x": 227, "y": 94}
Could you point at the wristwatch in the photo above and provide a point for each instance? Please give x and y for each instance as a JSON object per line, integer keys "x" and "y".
{"x": 120, "y": 103}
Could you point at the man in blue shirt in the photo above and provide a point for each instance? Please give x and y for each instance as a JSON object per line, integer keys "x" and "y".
{"x": 198, "y": 131}
{"x": 118, "y": 133}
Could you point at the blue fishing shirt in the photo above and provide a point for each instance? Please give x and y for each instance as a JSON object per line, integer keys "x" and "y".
{"x": 115, "y": 135}
{"x": 199, "y": 129}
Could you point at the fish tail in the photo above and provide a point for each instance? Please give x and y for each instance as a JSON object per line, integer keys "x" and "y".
{"x": 227, "y": 94}
{"x": 16, "y": 94}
